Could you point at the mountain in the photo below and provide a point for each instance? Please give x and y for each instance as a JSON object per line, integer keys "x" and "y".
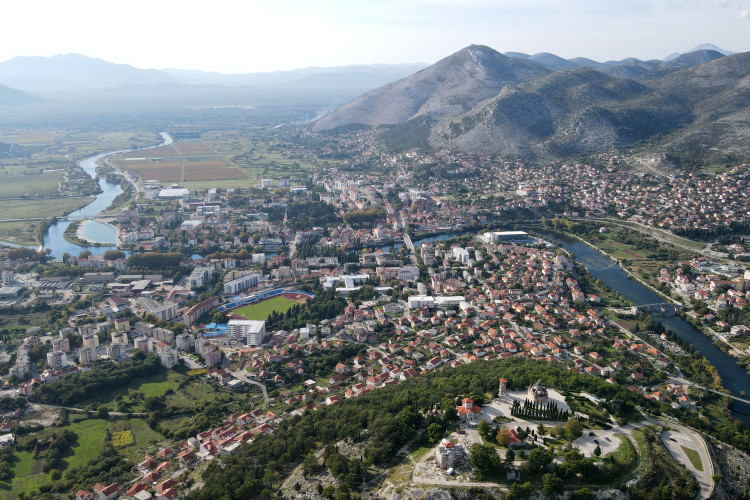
{"x": 710, "y": 46}
{"x": 14, "y": 97}
{"x": 73, "y": 72}
{"x": 452, "y": 85}
{"x": 482, "y": 101}
{"x": 77, "y": 73}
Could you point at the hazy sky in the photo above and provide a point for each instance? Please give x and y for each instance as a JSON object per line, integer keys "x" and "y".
{"x": 252, "y": 35}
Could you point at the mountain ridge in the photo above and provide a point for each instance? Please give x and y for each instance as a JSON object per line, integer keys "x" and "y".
{"x": 550, "y": 114}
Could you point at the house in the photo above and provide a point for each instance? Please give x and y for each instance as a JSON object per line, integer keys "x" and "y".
{"x": 84, "y": 495}
{"x": 108, "y": 491}
{"x": 185, "y": 458}
{"x": 136, "y": 488}
{"x": 434, "y": 363}
{"x": 165, "y": 485}
{"x": 168, "y": 494}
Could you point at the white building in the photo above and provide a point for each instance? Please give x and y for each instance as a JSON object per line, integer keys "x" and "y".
{"x": 505, "y": 236}
{"x": 168, "y": 357}
{"x": 90, "y": 340}
{"x": 166, "y": 311}
{"x": 200, "y": 277}
{"x": 251, "y": 331}
{"x": 56, "y": 360}
{"x": 242, "y": 283}
{"x": 420, "y": 301}
{"x": 461, "y": 255}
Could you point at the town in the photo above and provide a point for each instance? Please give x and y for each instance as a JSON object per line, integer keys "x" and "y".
{"x": 298, "y": 294}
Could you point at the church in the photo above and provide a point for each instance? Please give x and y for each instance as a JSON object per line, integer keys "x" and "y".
{"x": 537, "y": 393}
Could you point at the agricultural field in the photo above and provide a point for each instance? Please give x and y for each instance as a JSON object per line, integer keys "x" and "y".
{"x": 27, "y": 137}
{"x": 257, "y": 158}
{"x": 191, "y": 161}
{"x": 261, "y": 310}
{"x": 15, "y": 185}
{"x": 27, "y": 209}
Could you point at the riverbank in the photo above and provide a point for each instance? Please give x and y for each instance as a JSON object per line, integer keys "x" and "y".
{"x": 627, "y": 271}
{"x": 717, "y": 339}
{"x": 61, "y": 241}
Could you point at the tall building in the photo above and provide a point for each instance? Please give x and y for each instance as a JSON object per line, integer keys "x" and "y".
{"x": 87, "y": 355}
{"x": 251, "y": 331}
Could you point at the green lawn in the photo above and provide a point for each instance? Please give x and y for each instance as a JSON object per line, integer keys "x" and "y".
{"x": 695, "y": 459}
{"x": 261, "y": 310}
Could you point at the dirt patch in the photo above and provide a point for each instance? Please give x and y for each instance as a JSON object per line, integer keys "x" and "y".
{"x": 43, "y": 416}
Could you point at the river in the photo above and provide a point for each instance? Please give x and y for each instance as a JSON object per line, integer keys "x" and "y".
{"x": 92, "y": 230}
{"x": 734, "y": 378}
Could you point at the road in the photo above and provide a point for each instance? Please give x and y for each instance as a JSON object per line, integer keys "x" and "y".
{"x": 82, "y": 410}
{"x": 242, "y": 374}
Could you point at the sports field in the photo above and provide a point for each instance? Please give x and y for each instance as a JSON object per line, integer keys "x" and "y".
{"x": 261, "y": 310}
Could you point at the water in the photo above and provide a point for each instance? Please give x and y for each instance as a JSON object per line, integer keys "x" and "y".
{"x": 55, "y": 240}
{"x": 95, "y": 231}
{"x": 734, "y": 378}
{"x": 99, "y": 232}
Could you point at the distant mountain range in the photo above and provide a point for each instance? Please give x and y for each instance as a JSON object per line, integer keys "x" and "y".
{"x": 61, "y": 75}
{"x": 542, "y": 105}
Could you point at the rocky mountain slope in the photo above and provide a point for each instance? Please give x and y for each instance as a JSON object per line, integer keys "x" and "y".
{"x": 480, "y": 100}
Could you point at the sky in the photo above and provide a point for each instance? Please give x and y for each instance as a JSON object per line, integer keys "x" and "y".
{"x": 238, "y": 36}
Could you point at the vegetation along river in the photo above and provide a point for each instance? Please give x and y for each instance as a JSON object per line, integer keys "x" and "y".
{"x": 734, "y": 377}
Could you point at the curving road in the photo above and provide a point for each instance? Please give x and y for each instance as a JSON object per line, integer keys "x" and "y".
{"x": 680, "y": 437}
{"x": 242, "y": 374}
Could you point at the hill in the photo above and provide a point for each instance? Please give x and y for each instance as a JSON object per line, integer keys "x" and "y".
{"x": 453, "y": 85}
{"x": 14, "y": 97}
{"x": 482, "y": 101}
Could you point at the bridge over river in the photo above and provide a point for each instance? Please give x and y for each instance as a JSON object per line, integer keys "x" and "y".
{"x": 664, "y": 308}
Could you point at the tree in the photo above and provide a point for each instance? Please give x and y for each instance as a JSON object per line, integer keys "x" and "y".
{"x": 449, "y": 407}
{"x": 574, "y": 428}
{"x": 113, "y": 255}
{"x": 539, "y": 460}
{"x": 485, "y": 431}
{"x": 503, "y": 437}
{"x": 584, "y": 494}
{"x": 598, "y": 451}
{"x": 435, "y": 431}
{"x": 484, "y": 458}
{"x": 518, "y": 491}
{"x": 552, "y": 485}
{"x": 510, "y": 455}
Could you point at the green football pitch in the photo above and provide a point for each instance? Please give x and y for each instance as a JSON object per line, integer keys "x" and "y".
{"x": 261, "y": 310}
